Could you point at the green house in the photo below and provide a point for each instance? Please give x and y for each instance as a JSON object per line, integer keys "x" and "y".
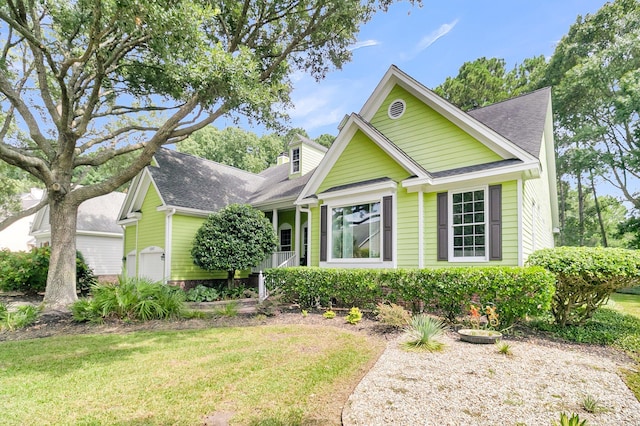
{"x": 410, "y": 181}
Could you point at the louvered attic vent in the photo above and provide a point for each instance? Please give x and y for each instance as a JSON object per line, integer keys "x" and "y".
{"x": 396, "y": 109}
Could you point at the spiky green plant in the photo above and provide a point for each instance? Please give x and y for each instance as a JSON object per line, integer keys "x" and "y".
{"x": 424, "y": 332}
{"x": 591, "y": 404}
{"x": 229, "y": 309}
{"x": 131, "y": 299}
{"x": 503, "y": 348}
{"x": 574, "y": 420}
{"x": 22, "y": 317}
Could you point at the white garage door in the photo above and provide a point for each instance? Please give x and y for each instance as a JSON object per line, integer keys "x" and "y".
{"x": 152, "y": 264}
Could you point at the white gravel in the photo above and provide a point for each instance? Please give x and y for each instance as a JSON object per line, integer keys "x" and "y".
{"x": 470, "y": 384}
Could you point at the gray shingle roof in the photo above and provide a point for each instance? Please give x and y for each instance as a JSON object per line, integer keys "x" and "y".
{"x": 521, "y": 120}
{"x": 101, "y": 213}
{"x": 308, "y": 141}
{"x": 191, "y": 182}
{"x": 475, "y": 168}
{"x": 277, "y": 185}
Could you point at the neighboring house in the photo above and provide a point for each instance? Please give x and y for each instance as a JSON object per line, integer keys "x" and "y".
{"x": 410, "y": 181}
{"x": 16, "y": 236}
{"x": 98, "y": 237}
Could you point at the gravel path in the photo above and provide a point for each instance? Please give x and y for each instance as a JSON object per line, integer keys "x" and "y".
{"x": 469, "y": 384}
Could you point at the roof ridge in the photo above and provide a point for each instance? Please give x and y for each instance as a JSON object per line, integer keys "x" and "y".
{"x": 195, "y": 157}
{"x": 522, "y": 95}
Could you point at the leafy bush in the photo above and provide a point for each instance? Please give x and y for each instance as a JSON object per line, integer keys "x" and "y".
{"x": 355, "y": 316}
{"x": 23, "y": 316}
{"x": 27, "y": 271}
{"x": 586, "y": 277}
{"x": 425, "y": 332}
{"x": 515, "y": 292}
{"x": 329, "y": 314}
{"x": 393, "y": 315}
{"x": 606, "y": 327}
{"x": 132, "y": 299}
{"x": 203, "y": 293}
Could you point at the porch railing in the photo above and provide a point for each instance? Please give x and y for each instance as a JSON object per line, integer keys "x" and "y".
{"x": 279, "y": 259}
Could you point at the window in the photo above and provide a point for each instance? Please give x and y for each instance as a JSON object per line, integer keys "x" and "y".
{"x": 285, "y": 239}
{"x": 468, "y": 224}
{"x": 355, "y": 231}
{"x": 295, "y": 160}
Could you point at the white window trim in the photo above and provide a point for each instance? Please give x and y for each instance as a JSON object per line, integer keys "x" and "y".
{"x": 361, "y": 195}
{"x": 293, "y": 161}
{"x": 288, "y": 226}
{"x": 476, "y": 259}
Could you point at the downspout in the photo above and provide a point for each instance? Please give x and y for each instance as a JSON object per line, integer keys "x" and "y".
{"x": 420, "y": 229}
{"x": 308, "y": 212}
{"x": 167, "y": 244}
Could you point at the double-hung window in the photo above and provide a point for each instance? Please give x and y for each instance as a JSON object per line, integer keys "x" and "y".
{"x": 295, "y": 160}
{"x": 469, "y": 225}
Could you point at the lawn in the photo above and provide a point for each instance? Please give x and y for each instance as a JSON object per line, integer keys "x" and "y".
{"x": 263, "y": 375}
{"x": 627, "y": 303}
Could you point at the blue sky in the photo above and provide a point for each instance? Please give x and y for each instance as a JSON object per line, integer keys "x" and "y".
{"x": 430, "y": 43}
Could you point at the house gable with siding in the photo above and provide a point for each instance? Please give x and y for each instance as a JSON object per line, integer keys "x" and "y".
{"x": 410, "y": 181}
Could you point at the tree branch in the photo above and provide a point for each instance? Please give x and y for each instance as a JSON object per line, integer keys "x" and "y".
{"x": 28, "y": 212}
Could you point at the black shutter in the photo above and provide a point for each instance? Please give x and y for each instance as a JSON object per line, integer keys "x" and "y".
{"x": 443, "y": 231}
{"x": 323, "y": 233}
{"x": 495, "y": 222}
{"x": 387, "y": 227}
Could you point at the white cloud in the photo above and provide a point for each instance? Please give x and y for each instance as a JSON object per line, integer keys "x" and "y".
{"x": 365, "y": 43}
{"x": 428, "y": 40}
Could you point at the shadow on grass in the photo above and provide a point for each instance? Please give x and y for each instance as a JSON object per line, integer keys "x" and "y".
{"x": 58, "y": 356}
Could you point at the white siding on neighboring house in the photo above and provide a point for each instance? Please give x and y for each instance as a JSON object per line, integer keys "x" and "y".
{"x": 103, "y": 254}
{"x": 16, "y": 236}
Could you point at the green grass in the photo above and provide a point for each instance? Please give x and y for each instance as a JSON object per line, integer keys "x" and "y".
{"x": 262, "y": 374}
{"x": 627, "y": 303}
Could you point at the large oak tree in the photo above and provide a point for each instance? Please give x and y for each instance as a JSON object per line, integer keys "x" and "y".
{"x": 83, "y": 82}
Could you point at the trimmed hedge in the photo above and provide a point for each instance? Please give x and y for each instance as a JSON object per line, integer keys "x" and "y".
{"x": 516, "y": 292}
{"x": 586, "y": 277}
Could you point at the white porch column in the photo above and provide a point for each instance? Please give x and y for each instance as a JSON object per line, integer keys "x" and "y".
{"x": 274, "y": 221}
{"x": 298, "y": 236}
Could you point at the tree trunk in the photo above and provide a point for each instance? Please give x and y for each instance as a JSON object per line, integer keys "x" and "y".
{"x": 61, "y": 280}
{"x": 599, "y": 212}
{"x": 580, "y": 211}
{"x": 231, "y": 274}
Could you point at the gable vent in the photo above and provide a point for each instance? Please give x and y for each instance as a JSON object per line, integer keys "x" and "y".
{"x": 396, "y": 109}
